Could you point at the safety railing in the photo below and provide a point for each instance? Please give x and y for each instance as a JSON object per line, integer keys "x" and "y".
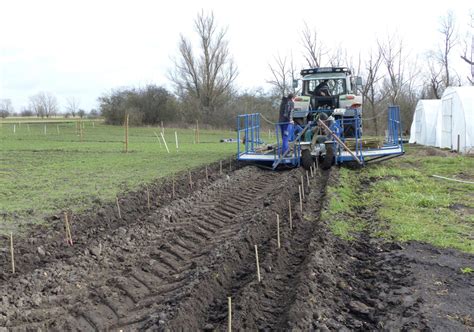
{"x": 248, "y": 133}
{"x": 293, "y": 154}
{"x": 394, "y": 130}
{"x": 355, "y": 124}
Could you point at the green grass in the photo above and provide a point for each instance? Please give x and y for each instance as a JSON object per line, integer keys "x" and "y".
{"x": 467, "y": 270}
{"x": 42, "y": 174}
{"x": 23, "y": 120}
{"x": 410, "y": 203}
{"x": 342, "y": 207}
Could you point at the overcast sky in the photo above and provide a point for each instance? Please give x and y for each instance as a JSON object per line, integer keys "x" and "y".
{"x": 85, "y": 48}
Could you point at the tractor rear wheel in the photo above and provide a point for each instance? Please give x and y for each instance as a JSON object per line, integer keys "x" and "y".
{"x": 306, "y": 159}
{"x": 329, "y": 157}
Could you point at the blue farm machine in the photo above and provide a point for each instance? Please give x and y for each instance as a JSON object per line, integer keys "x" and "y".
{"x": 325, "y": 127}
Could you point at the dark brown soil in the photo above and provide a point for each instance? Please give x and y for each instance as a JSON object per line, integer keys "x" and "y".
{"x": 172, "y": 267}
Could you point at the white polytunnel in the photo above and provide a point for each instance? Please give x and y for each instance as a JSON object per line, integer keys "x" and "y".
{"x": 426, "y": 128}
{"x": 457, "y": 119}
{"x": 446, "y": 123}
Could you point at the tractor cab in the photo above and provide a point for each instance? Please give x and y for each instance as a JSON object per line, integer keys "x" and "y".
{"x": 328, "y": 88}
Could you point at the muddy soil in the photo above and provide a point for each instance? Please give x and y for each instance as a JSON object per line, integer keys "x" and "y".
{"x": 171, "y": 266}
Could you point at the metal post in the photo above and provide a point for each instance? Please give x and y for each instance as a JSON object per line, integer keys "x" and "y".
{"x": 246, "y": 134}
{"x": 238, "y": 136}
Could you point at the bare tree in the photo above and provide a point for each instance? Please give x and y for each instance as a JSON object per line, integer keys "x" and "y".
{"x": 469, "y": 58}
{"x": 72, "y": 105}
{"x": 394, "y": 60}
{"x": 399, "y": 85}
{"x": 447, "y": 29}
{"x": 370, "y": 90}
{"x": 340, "y": 58}
{"x": 44, "y": 104}
{"x": 283, "y": 73}
{"x": 314, "y": 50}
{"x": 434, "y": 85}
{"x": 6, "y": 108}
{"x": 206, "y": 78}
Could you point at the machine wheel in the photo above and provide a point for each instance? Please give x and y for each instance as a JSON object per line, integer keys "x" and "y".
{"x": 306, "y": 159}
{"x": 329, "y": 158}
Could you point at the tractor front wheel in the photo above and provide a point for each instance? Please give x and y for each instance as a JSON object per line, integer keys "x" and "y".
{"x": 329, "y": 157}
{"x": 306, "y": 159}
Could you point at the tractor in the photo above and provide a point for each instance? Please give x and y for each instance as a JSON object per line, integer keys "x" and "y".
{"x": 326, "y": 126}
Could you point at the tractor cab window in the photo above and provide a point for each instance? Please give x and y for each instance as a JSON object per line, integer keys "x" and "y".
{"x": 335, "y": 86}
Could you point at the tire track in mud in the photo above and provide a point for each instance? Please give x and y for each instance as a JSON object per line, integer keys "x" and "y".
{"x": 172, "y": 268}
{"x": 139, "y": 270}
{"x": 265, "y": 305}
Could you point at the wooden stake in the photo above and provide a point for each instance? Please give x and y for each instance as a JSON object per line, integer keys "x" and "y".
{"x": 290, "y": 215}
{"x": 166, "y": 145}
{"x": 126, "y": 133}
{"x": 207, "y": 175}
{"x": 157, "y": 137}
{"x": 57, "y": 128}
{"x": 301, "y": 201}
{"x": 459, "y": 142}
{"x": 14, "y": 129}
{"x": 229, "y": 315}
{"x": 194, "y": 137}
{"x": 190, "y": 181}
{"x": 307, "y": 178}
{"x": 12, "y": 252}
{"x": 220, "y": 169}
{"x": 258, "y": 266}
{"x": 93, "y": 124}
{"x": 197, "y": 131}
{"x": 278, "y": 230}
{"x": 302, "y": 186}
{"x": 118, "y": 207}
{"x": 176, "y": 139}
{"x": 148, "y": 198}
{"x": 45, "y": 129}
{"x": 68, "y": 229}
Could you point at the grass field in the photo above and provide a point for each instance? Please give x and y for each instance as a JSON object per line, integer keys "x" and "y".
{"x": 44, "y": 173}
{"x": 408, "y": 202}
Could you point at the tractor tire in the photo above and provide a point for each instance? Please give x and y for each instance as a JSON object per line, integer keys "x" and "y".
{"x": 328, "y": 158}
{"x": 306, "y": 159}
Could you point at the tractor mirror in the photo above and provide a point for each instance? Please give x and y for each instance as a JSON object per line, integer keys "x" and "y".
{"x": 295, "y": 84}
{"x": 359, "y": 82}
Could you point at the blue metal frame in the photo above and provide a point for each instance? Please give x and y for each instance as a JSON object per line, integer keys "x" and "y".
{"x": 293, "y": 159}
{"x": 248, "y": 127}
{"x": 248, "y": 139}
{"x": 251, "y": 132}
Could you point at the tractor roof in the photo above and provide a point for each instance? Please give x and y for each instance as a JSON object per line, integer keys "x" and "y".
{"x": 321, "y": 70}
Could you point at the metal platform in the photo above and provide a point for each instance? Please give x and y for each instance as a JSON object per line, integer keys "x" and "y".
{"x": 251, "y": 147}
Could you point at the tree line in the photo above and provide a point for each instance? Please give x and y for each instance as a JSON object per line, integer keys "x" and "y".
{"x": 392, "y": 74}
{"x": 203, "y": 79}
